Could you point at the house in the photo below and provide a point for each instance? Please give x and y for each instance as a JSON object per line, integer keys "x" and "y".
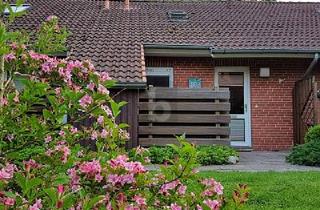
{"x": 259, "y": 50}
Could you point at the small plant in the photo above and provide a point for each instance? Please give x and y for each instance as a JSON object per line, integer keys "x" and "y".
{"x": 215, "y": 155}
{"x": 308, "y": 153}
{"x": 207, "y": 155}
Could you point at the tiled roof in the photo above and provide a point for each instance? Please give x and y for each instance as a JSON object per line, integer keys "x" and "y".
{"x": 113, "y": 39}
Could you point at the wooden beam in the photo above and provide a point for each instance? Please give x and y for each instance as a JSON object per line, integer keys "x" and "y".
{"x": 178, "y": 130}
{"x": 184, "y": 106}
{"x": 174, "y": 93}
{"x": 184, "y": 118}
{"x": 197, "y": 141}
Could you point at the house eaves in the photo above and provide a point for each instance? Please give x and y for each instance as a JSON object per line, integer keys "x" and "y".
{"x": 207, "y": 51}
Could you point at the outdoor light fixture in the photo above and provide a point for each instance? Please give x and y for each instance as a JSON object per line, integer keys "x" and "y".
{"x": 264, "y": 72}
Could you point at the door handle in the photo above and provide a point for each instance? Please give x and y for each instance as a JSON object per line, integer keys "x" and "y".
{"x": 245, "y": 108}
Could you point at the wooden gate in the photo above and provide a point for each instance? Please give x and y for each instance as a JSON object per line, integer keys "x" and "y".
{"x": 202, "y": 114}
{"x": 305, "y": 107}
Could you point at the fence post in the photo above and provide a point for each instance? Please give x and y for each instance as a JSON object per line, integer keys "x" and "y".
{"x": 316, "y": 104}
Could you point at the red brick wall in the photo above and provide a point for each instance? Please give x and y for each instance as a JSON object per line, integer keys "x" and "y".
{"x": 271, "y": 98}
{"x": 184, "y": 69}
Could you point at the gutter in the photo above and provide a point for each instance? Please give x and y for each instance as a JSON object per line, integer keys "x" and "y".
{"x": 182, "y": 50}
{"x": 262, "y": 51}
{"x": 130, "y": 85}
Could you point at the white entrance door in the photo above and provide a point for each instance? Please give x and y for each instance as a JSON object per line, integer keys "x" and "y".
{"x": 237, "y": 79}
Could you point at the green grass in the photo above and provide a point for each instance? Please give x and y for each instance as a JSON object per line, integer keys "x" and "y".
{"x": 274, "y": 190}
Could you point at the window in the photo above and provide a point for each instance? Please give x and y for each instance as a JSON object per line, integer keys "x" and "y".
{"x": 16, "y": 8}
{"x": 160, "y": 77}
{"x": 235, "y": 82}
{"x": 177, "y": 15}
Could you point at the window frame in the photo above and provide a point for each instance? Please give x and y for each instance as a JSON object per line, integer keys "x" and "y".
{"x": 161, "y": 71}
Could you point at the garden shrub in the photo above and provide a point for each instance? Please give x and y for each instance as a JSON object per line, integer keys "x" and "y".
{"x": 308, "y": 153}
{"x": 313, "y": 134}
{"x": 207, "y": 155}
{"x": 44, "y": 166}
{"x": 215, "y": 155}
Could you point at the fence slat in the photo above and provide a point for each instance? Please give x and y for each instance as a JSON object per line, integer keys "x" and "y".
{"x": 198, "y": 141}
{"x": 174, "y": 93}
{"x": 185, "y": 106}
{"x": 184, "y": 118}
{"x": 178, "y": 130}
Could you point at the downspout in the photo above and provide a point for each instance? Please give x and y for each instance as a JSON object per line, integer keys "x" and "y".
{"x": 311, "y": 66}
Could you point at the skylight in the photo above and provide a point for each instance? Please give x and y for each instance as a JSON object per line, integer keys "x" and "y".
{"x": 16, "y": 8}
{"x": 177, "y": 15}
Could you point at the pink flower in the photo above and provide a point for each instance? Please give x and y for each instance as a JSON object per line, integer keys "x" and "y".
{"x": 36, "y": 56}
{"x": 214, "y": 187}
{"x": 182, "y": 189}
{"x": 62, "y": 133}
{"x": 175, "y": 206}
{"x": 116, "y": 179}
{"x": 49, "y": 65}
{"x": 90, "y": 168}
{"x": 132, "y": 207}
{"x": 37, "y": 205}
{"x": 3, "y": 101}
{"x": 9, "y": 57}
{"x": 94, "y": 135}
{"x": 73, "y": 130}
{"x": 51, "y": 17}
{"x": 74, "y": 179}
{"x": 103, "y": 90}
{"x": 58, "y": 91}
{"x": 65, "y": 152}
{"x": 7, "y": 172}
{"x": 169, "y": 186}
{"x": 139, "y": 200}
{"x": 16, "y": 98}
{"x": 107, "y": 110}
{"x": 199, "y": 207}
{"x": 8, "y": 201}
{"x": 10, "y": 137}
{"x": 48, "y": 139}
{"x": 60, "y": 189}
{"x": 85, "y": 101}
{"x": 104, "y": 76}
{"x": 100, "y": 120}
{"x": 31, "y": 164}
{"x": 98, "y": 177}
{"x": 218, "y": 188}
{"x": 104, "y": 133}
{"x": 91, "y": 86}
{"x": 212, "y": 204}
{"x": 13, "y": 45}
{"x": 134, "y": 167}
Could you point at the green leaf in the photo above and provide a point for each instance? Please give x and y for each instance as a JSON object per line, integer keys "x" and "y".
{"x": 90, "y": 204}
{"x": 52, "y": 193}
{"x": 21, "y": 181}
{"x": 61, "y": 179}
{"x": 68, "y": 201}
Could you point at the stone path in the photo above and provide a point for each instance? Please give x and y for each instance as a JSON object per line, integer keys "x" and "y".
{"x": 255, "y": 162}
{"x": 261, "y": 161}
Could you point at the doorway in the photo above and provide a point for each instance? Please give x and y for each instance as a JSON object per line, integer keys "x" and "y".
{"x": 237, "y": 79}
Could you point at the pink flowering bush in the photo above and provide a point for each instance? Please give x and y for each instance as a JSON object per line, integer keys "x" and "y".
{"x": 50, "y": 160}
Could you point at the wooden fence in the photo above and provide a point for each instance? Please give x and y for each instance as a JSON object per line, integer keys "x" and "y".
{"x": 202, "y": 114}
{"x": 305, "y": 107}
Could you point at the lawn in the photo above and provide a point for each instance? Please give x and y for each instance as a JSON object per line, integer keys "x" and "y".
{"x": 275, "y": 190}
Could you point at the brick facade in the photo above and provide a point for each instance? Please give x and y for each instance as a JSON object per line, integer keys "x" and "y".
{"x": 271, "y": 98}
